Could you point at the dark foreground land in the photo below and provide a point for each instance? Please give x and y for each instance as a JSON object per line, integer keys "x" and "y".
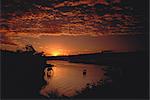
{"x": 21, "y": 74}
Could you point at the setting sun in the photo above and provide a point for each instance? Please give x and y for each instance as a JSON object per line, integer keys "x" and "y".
{"x": 58, "y": 52}
{"x": 55, "y": 53}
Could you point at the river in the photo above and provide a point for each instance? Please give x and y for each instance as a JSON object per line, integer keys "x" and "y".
{"x": 66, "y": 78}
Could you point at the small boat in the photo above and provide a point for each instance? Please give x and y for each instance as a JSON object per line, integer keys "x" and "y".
{"x": 84, "y": 72}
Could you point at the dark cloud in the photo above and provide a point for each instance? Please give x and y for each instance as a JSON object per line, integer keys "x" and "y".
{"x": 73, "y": 17}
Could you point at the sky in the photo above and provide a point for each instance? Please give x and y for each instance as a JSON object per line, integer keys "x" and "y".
{"x": 65, "y": 27}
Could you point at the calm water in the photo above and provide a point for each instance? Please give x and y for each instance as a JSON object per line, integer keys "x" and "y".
{"x": 66, "y": 78}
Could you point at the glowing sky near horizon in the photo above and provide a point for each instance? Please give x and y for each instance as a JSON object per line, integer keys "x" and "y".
{"x": 64, "y": 27}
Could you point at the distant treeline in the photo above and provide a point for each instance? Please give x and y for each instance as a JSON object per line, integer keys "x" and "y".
{"x": 106, "y": 58}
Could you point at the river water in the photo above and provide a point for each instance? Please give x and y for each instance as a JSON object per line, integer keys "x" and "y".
{"x": 66, "y": 78}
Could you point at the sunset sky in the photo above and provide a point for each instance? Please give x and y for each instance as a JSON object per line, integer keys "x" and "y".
{"x": 65, "y": 27}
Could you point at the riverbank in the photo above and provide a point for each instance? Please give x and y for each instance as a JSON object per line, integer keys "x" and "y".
{"x": 121, "y": 83}
{"x": 128, "y": 73}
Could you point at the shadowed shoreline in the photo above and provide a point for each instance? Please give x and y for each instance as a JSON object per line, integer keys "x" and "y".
{"x": 21, "y": 74}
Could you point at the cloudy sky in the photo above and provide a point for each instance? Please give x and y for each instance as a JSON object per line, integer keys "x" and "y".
{"x": 73, "y": 26}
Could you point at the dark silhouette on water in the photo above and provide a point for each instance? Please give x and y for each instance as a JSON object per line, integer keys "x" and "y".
{"x": 49, "y": 69}
{"x": 84, "y": 72}
{"x": 49, "y": 72}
